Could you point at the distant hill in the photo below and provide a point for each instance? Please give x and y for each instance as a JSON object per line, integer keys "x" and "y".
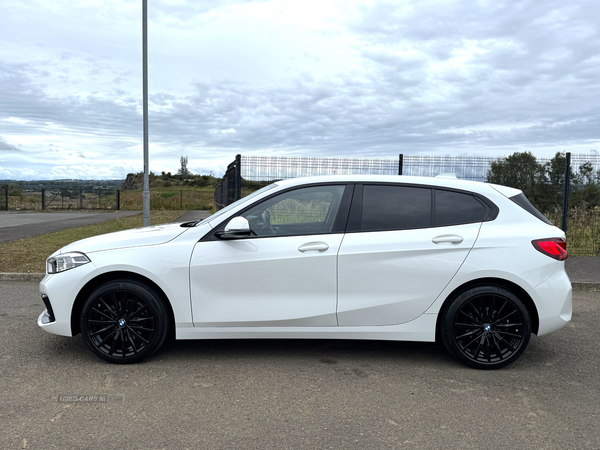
{"x": 57, "y": 184}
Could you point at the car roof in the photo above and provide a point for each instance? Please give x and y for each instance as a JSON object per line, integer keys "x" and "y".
{"x": 454, "y": 183}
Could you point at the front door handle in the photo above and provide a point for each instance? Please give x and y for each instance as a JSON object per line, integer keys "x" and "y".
{"x": 447, "y": 239}
{"x": 313, "y": 246}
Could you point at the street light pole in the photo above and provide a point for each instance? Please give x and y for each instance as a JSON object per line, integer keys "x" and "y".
{"x": 146, "y": 193}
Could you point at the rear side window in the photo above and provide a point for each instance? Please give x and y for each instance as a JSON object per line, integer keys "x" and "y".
{"x": 395, "y": 208}
{"x": 455, "y": 208}
{"x": 524, "y": 203}
{"x": 381, "y": 207}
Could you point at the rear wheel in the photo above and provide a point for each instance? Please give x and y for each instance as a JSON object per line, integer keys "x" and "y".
{"x": 124, "y": 322}
{"x": 486, "y": 327}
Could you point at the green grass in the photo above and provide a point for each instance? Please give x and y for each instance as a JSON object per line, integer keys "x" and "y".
{"x": 583, "y": 229}
{"x": 170, "y": 198}
{"x": 29, "y": 254}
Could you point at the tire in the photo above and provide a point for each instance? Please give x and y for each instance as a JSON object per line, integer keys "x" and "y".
{"x": 124, "y": 322}
{"x": 486, "y": 327}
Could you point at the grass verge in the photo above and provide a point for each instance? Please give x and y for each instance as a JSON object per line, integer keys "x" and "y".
{"x": 29, "y": 254}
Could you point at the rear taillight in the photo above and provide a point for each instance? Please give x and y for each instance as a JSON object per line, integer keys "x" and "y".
{"x": 554, "y": 248}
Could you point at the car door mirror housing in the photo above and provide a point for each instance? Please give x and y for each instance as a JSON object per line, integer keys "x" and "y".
{"x": 236, "y": 228}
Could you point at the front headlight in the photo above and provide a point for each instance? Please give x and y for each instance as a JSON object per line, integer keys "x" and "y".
{"x": 66, "y": 261}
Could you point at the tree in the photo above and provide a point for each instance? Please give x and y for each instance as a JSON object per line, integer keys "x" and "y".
{"x": 587, "y": 193}
{"x": 183, "y": 170}
{"x": 586, "y": 173}
{"x": 521, "y": 171}
{"x": 556, "y": 171}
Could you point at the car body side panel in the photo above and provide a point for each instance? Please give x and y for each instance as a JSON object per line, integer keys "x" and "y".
{"x": 392, "y": 277}
{"x": 265, "y": 281}
{"x": 504, "y": 251}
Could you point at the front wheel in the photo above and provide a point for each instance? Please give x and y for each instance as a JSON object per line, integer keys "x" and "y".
{"x": 124, "y": 322}
{"x": 486, "y": 327}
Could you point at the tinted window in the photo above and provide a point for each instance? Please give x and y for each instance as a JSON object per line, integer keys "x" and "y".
{"x": 454, "y": 208}
{"x": 301, "y": 211}
{"x": 395, "y": 208}
{"x": 524, "y": 203}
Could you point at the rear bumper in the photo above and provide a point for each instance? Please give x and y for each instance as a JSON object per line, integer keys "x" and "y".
{"x": 554, "y": 302}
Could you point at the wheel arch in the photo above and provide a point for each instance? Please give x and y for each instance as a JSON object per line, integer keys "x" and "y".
{"x": 515, "y": 288}
{"x": 98, "y": 281}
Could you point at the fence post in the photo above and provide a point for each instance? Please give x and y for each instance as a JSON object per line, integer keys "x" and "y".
{"x": 43, "y": 199}
{"x": 118, "y": 199}
{"x": 238, "y": 176}
{"x": 6, "y": 196}
{"x": 400, "y": 163}
{"x": 181, "y": 199}
{"x": 566, "y": 194}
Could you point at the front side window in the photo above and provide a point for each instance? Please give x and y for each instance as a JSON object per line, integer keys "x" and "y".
{"x": 310, "y": 210}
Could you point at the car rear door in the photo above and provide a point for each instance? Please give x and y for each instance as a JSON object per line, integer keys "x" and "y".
{"x": 403, "y": 245}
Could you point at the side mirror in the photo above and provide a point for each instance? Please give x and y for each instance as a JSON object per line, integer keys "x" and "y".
{"x": 236, "y": 228}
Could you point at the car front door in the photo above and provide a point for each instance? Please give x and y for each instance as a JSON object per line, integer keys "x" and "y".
{"x": 284, "y": 274}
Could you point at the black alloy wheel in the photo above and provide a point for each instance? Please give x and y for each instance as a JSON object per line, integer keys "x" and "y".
{"x": 486, "y": 327}
{"x": 124, "y": 322}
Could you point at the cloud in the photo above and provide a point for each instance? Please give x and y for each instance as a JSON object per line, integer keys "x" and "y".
{"x": 358, "y": 79}
{"x": 6, "y": 147}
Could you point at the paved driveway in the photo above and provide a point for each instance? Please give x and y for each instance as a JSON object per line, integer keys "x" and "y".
{"x": 18, "y": 225}
{"x": 277, "y": 394}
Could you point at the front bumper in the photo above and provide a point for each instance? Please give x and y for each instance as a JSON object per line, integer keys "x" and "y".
{"x": 60, "y": 291}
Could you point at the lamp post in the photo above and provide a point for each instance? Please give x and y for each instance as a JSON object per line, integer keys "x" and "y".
{"x": 146, "y": 193}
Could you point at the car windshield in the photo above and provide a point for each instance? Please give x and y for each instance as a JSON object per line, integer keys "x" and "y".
{"x": 237, "y": 203}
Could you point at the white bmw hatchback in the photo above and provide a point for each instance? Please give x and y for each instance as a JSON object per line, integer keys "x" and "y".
{"x": 473, "y": 265}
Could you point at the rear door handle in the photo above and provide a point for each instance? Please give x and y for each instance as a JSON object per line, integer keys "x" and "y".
{"x": 447, "y": 239}
{"x": 313, "y": 246}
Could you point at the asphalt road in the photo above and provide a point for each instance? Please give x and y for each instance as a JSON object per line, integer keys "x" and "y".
{"x": 295, "y": 394}
{"x": 17, "y": 225}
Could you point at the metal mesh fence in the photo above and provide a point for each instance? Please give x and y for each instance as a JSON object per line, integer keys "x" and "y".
{"x": 464, "y": 167}
{"x": 59, "y": 199}
{"x": 103, "y": 199}
{"x": 271, "y": 168}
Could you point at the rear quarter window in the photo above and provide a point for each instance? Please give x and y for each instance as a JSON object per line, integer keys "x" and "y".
{"x": 524, "y": 203}
{"x": 455, "y": 208}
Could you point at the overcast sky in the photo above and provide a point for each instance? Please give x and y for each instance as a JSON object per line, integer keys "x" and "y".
{"x": 365, "y": 79}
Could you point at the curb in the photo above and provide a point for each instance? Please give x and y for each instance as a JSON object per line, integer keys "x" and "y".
{"x": 22, "y": 276}
{"x": 585, "y": 286}
{"x": 577, "y": 285}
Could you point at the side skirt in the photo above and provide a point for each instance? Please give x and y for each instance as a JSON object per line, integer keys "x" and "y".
{"x": 422, "y": 329}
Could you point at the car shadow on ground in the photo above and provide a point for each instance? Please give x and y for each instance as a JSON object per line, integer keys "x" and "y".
{"x": 329, "y": 352}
